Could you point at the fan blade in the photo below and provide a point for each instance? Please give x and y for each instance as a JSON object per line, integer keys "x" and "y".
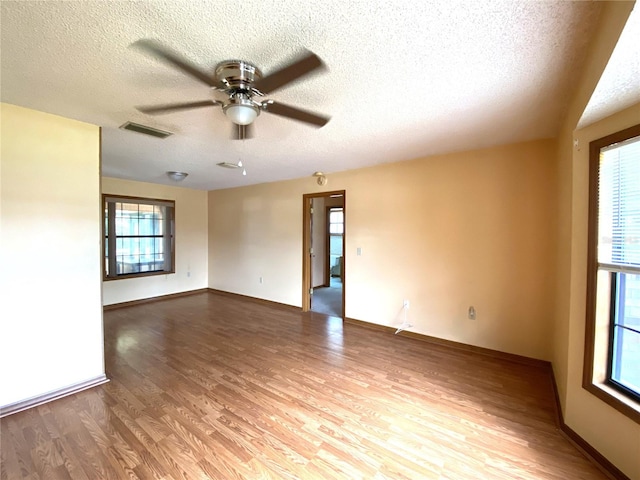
{"x": 154, "y": 48}
{"x": 242, "y": 132}
{"x": 288, "y": 74}
{"x": 295, "y": 113}
{"x": 172, "y": 107}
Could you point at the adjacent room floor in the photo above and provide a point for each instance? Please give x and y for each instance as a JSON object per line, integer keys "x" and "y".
{"x": 328, "y": 300}
{"x": 208, "y": 386}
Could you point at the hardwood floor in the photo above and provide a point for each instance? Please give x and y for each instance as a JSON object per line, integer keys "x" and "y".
{"x": 208, "y": 386}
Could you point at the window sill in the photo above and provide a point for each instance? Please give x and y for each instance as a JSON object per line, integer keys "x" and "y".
{"x": 616, "y": 399}
{"x": 137, "y": 275}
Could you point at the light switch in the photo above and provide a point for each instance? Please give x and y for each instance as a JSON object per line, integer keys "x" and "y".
{"x": 359, "y": 251}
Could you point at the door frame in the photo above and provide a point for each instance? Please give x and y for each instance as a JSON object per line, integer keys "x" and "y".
{"x": 306, "y": 245}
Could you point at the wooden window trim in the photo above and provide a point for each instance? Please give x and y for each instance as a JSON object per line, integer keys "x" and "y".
{"x": 605, "y": 392}
{"x": 172, "y": 203}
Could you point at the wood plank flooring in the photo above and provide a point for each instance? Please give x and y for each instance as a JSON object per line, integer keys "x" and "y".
{"x": 208, "y": 386}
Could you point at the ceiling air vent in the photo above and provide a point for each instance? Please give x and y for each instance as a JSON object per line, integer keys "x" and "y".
{"x": 229, "y": 165}
{"x": 154, "y": 132}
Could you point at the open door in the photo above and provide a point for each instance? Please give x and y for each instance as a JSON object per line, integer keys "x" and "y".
{"x": 323, "y": 272}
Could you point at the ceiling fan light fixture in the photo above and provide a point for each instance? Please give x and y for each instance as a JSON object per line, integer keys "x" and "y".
{"x": 241, "y": 110}
{"x": 241, "y": 114}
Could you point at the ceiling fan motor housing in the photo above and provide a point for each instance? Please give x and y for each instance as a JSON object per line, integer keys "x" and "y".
{"x": 237, "y": 75}
{"x": 236, "y": 78}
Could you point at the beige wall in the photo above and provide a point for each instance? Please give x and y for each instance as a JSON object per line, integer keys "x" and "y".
{"x": 611, "y": 433}
{"x": 446, "y": 232}
{"x": 613, "y": 18}
{"x": 191, "y": 243}
{"x": 50, "y": 306}
{"x": 502, "y": 229}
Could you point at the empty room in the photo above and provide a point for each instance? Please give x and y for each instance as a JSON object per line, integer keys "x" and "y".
{"x": 315, "y": 240}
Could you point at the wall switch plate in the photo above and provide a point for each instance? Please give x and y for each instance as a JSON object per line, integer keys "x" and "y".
{"x": 260, "y": 280}
{"x": 472, "y": 313}
{"x": 405, "y": 304}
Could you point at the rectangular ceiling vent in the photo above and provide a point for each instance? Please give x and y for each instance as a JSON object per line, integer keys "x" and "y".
{"x": 154, "y": 132}
{"x": 228, "y": 165}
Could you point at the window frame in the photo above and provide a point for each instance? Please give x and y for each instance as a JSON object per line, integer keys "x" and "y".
{"x": 170, "y": 232}
{"x": 615, "y": 284}
{"x": 605, "y": 389}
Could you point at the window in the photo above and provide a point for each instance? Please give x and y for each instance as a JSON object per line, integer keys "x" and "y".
{"x": 336, "y": 232}
{"x": 138, "y": 237}
{"x": 612, "y": 346}
{"x": 336, "y": 221}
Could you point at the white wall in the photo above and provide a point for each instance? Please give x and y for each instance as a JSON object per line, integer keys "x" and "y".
{"x": 50, "y": 305}
{"x": 191, "y": 243}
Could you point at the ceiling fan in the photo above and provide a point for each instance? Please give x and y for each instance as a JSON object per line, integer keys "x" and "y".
{"x": 237, "y": 87}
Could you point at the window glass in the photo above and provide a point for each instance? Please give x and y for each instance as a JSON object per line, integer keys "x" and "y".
{"x": 142, "y": 235}
{"x": 336, "y": 221}
{"x": 625, "y": 352}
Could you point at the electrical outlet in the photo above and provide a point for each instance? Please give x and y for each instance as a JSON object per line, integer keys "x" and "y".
{"x": 405, "y": 304}
{"x": 188, "y": 274}
{"x": 472, "y": 313}
{"x": 260, "y": 280}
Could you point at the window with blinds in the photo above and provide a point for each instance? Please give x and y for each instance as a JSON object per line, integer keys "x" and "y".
{"x": 619, "y": 254}
{"x": 614, "y": 316}
{"x": 619, "y": 205}
{"x": 138, "y": 236}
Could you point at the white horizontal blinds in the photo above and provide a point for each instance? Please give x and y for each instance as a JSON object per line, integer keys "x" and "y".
{"x": 619, "y": 204}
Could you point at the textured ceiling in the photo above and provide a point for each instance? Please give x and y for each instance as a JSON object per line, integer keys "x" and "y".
{"x": 404, "y": 79}
{"x": 619, "y": 86}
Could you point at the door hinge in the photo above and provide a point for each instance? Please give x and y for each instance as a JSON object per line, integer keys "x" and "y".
{"x": 311, "y": 251}
{"x": 311, "y": 210}
{"x": 311, "y": 291}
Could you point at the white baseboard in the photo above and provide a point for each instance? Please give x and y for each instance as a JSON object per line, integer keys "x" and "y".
{"x": 50, "y": 396}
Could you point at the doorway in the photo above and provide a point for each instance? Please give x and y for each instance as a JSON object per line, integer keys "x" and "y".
{"x": 323, "y": 269}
